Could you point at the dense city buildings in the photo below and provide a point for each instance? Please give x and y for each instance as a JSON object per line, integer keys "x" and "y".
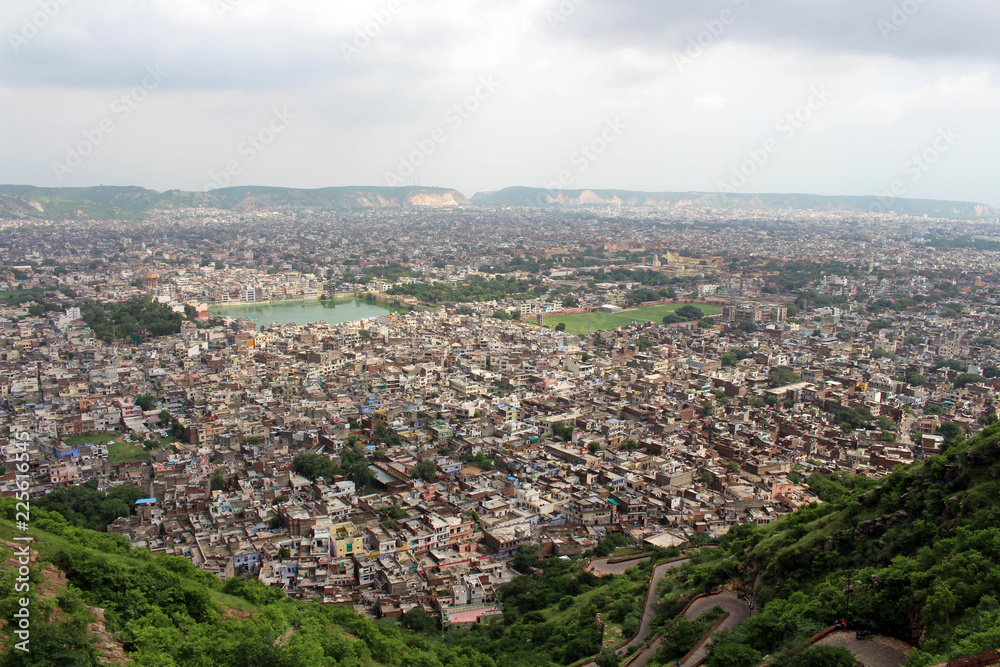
{"x": 401, "y": 460}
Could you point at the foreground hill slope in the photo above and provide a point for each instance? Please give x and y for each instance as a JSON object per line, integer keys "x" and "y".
{"x": 914, "y": 556}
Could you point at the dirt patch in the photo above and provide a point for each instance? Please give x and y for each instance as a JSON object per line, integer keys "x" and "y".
{"x": 53, "y": 583}
{"x": 228, "y": 613}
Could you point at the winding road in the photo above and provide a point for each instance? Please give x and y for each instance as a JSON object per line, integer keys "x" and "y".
{"x": 874, "y": 652}
{"x": 649, "y": 609}
{"x": 600, "y": 567}
{"x": 739, "y": 611}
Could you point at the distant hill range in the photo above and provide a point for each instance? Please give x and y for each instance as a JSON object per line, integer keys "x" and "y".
{"x": 539, "y": 197}
{"x": 130, "y": 202}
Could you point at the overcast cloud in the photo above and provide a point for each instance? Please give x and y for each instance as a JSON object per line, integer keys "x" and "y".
{"x": 825, "y": 96}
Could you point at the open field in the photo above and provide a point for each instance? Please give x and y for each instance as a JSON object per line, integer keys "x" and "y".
{"x": 120, "y": 452}
{"x": 91, "y": 439}
{"x": 578, "y": 324}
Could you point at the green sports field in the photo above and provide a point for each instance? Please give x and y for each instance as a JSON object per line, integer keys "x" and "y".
{"x": 578, "y": 324}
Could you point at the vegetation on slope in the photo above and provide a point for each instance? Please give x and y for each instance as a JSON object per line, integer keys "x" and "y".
{"x": 166, "y": 612}
{"x": 912, "y": 556}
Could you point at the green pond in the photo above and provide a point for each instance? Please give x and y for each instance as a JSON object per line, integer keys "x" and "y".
{"x": 304, "y": 312}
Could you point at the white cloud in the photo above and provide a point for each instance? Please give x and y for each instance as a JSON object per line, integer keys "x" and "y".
{"x": 710, "y": 102}
{"x": 971, "y": 92}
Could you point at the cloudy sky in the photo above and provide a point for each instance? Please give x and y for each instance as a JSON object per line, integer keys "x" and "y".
{"x": 821, "y": 96}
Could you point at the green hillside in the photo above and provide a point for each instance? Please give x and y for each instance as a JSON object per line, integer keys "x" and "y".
{"x": 130, "y": 202}
{"x": 914, "y": 556}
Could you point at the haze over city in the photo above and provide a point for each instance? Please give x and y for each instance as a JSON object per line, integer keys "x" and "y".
{"x": 846, "y": 97}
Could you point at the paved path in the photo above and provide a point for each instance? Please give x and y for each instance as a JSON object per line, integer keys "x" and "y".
{"x": 874, "y": 652}
{"x": 739, "y": 611}
{"x": 602, "y": 568}
{"x": 650, "y": 607}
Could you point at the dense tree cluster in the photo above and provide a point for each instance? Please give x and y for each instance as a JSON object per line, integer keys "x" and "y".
{"x": 139, "y": 315}
{"x": 908, "y": 554}
{"x": 86, "y": 507}
{"x": 476, "y": 289}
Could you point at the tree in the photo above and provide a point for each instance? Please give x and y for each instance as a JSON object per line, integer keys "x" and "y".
{"x": 968, "y": 378}
{"x": 747, "y": 327}
{"x": 933, "y": 410}
{"x": 561, "y": 326}
{"x": 733, "y": 655}
{"x": 418, "y": 620}
{"x": 218, "y": 480}
{"x": 593, "y": 447}
{"x": 822, "y": 656}
{"x": 165, "y": 417}
{"x": 779, "y": 377}
{"x": 887, "y": 424}
{"x": 950, "y": 431}
{"x": 915, "y": 379}
{"x": 673, "y": 318}
{"x": 313, "y": 466}
{"x": 525, "y": 558}
{"x": 706, "y": 323}
{"x": 425, "y": 470}
{"x": 690, "y": 312}
{"x": 608, "y": 658}
{"x": 145, "y": 402}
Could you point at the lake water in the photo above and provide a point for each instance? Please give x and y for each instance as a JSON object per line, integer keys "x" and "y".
{"x": 304, "y": 312}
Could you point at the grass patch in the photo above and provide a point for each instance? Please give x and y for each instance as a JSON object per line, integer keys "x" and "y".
{"x": 120, "y": 452}
{"x": 553, "y": 614}
{"x": 579, "y": 324}
{"x": 23, "y": 293}
{"x": 91, "y": 439}
{"x": 47, "y": 544}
